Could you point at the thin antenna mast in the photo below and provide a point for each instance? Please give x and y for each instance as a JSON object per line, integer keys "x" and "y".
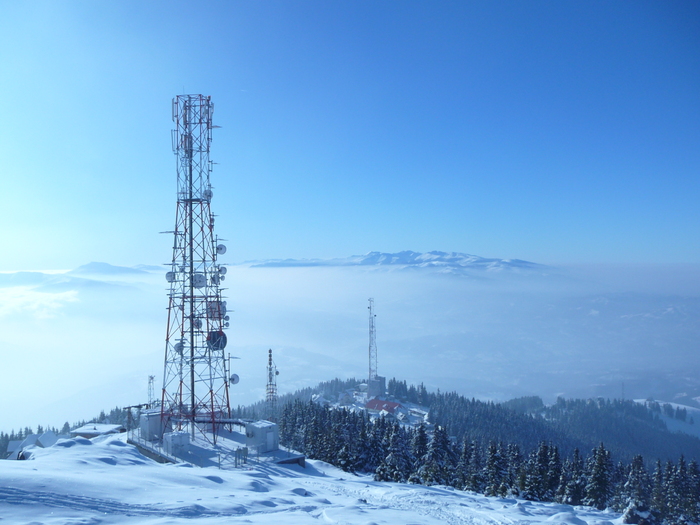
{"x": 372, "y": 342}
{"x": 151, "y": 391}
{"x": 271, "y": 399}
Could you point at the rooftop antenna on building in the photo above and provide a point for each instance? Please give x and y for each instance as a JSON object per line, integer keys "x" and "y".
{"x": 195, "y": 379}
{"x": 372, "y": 342}
{"x": 271, "y": 398}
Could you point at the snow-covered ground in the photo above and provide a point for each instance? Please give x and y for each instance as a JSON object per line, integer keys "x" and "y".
{"x": 690, "y": 426}
{"x": 107, "y": 481}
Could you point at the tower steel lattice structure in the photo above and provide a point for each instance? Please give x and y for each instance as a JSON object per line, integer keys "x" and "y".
{"x": 195, "y": 380}
{"x": 372, "y": 342}
{"x": 271, "y": 398}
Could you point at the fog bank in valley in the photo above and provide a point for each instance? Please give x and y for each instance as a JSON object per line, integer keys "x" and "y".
{"x": 81, "y": 341}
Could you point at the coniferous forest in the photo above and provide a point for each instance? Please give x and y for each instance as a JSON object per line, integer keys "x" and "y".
{"x": 668, "y": 493}
{"x": 614, "y": 454}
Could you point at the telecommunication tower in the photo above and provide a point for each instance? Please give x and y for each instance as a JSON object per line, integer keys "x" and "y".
{"x": 195, "y": 379}
{"x": 271, "y": 398}
{"x": 372, "y": 342}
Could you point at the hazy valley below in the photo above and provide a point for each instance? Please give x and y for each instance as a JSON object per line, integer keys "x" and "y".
{"x": 487, "y": 328}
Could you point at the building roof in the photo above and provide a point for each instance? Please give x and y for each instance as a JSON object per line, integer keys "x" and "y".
{"x": 47, "y": 439}
{"x": 18, "y": 446}
{"x": 378, "y": 404}
{"x": 96, "y": 429}
{"x": 261, "y": 424}
{"x": 13, "y": 445}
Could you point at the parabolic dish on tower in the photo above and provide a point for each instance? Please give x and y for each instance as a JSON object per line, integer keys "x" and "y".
{"x": 216, "y": 340}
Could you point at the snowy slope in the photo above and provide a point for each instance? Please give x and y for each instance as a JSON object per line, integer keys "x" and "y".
{"x": 690, "y": 426}
{"x": 107, "y": 481}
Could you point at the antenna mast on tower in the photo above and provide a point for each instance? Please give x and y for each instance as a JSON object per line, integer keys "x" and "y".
{"x": 271, "y": 399}
{"x": 195, "y": 380}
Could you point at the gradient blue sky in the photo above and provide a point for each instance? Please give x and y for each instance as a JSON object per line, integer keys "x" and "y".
{"x": 558, "y": 132}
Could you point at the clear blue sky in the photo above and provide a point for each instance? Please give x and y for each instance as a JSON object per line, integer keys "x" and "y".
{"x": 558, "y": 132}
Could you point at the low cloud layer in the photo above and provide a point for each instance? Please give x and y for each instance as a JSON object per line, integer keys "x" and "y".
{"x": 83, "y": 341}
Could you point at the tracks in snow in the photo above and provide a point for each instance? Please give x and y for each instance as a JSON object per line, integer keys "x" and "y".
{"x": 420, "y": 499}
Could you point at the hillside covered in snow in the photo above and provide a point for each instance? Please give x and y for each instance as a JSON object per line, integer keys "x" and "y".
{"x": 106, "y": 481}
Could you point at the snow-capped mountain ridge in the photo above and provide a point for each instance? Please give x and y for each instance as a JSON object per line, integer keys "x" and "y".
{"x": 443, "y": 261}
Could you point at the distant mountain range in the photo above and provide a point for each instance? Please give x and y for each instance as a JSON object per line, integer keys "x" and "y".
{"x": 442, "y": 262}
{"x": 452, "y": 262}
{"x": 101, "y": 268}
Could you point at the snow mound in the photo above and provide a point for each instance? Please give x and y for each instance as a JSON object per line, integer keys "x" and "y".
{"x": 105, "y": 450}
{"x": 566, "y": 518}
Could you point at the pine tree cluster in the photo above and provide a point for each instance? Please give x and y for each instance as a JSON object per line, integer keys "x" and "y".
{"x": 353, "y": 442}
{"x": 626, "y": 427}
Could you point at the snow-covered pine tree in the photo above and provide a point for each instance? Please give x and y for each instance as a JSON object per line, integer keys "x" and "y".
{"x": 636, "y": 494}
{"x": 598, "y": 489}
{"x": 677, "y": 493}
{"x": 360, "y": 455}
{"x": 344, "y": 459}
{"x": 375, "y": 448}
{"x": 419, "y": 448}
{"x": 514, "y": 460}
{"x": 459, "y": 479}
{"x": 437, "y": 461}
{"x": 575, "y": 490}
{"x": 658, "y": 494}
{"x": 693, "y": 510}
{"x": 564, "y": 479}
{"x": 494, "y": 470}
{"x": 285, "y": 425}
{"x": 397, "y": 464}
{"x": 554, "y": 468}
{"x": 475, "y": 477}
{"x": 537, "y": 467}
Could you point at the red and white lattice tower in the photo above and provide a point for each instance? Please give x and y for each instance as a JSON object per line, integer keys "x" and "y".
{"x": 195, "y": 380}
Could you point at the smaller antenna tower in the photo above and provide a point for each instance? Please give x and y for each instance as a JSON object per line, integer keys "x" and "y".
{"x": 271, "y": 399}
{"x": 151, "y": 391}
{"x": 372, "y": 342}
{"x": 376, "y": 384}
